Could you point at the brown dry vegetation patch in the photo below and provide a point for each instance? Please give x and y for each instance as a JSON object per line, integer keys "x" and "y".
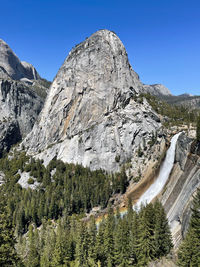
{"x": 138, "y": 189}
{"x": 149, "y": 176}
{"x": 69, "y": 117}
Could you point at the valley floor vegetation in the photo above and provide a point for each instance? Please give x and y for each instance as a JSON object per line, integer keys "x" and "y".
{"x": 133, "y": 240}
{"x": 46, "y": 226}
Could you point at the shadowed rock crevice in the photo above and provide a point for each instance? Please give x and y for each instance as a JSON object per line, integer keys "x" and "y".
{"x": 9, "y": 135}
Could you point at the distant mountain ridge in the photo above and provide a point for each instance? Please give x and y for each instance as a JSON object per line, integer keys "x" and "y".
{"x": 190, "y": 101}
{"x": 157, "y": 90}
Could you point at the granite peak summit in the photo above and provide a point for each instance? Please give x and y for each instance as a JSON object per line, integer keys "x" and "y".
{"x": 90, "y": 115}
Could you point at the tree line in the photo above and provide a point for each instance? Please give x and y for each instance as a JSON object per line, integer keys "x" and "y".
{"x": 132, "y": 240}
{"x": 63, "y": 189}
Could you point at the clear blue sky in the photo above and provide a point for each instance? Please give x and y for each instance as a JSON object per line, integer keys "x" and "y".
{"x": 162, "y": 37}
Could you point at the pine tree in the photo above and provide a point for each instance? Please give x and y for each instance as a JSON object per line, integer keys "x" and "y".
{"x": 162, "y": 235}
{"x": 8, "y": 255}
{"x": 48, "y": 235}
{"x": 82, "y": 245}
{"x": 130, "y": 212}
{"x": 117, "y": 241}
{"x": 146, "y": 232}
{"x": 33, "y": 257}
{"x": 68, "y": 247}
{"x": 122, "y": 249}
{"x": 189, "y": 251}
{"x": 108, "y": 238}
{"x": 134, "y": 239}
{"x": 20, "y": 220}
{"x": 59, "y": 249}
{"x": 198, "y": 129}
{"x": 123, "y": 181}
{"x": 99, "y": 247}
{"x": 92, "y": 231}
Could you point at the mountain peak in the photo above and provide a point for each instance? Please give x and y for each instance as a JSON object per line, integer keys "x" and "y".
{"x": 3, "y": 43}
{"x": 104, "y": 32}
{"x": 157, "y": 89}
{"x": 13, "y": 66}
{"x": 90, "y": 115}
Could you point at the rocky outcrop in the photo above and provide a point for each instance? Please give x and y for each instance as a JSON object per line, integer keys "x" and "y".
{"x": 19, "y": 108}
{"x": 13, "y": 66}
{"x": 92, "y": 114}
{"x": 182, "y": 184}
{"x": 9, "y": 134}
{"x": 157, "y": 90}
{"x": 20, "y": 101}
{"x": 24, "y": 178}
{"x": 3, "y": 73}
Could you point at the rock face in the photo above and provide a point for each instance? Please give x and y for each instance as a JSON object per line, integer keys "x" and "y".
{"x": 182, "y": 184}
{"x": 92, "y": 114}
{"x": 157, "y": 90}
{"x": 13, "y": 67}
{"x": 9, "y": 134}
{"x": 19, "y": 108}
{"x": 20, "y": 101}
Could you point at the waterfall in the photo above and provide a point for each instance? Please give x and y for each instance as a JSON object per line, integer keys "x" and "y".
{"x": 164, "y": 173}
{"x": 160, "y": 181}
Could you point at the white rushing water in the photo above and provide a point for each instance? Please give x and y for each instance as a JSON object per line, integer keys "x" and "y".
{"x": 165, "y": 170}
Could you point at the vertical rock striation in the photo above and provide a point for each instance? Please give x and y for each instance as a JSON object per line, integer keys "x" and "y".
{"x": 92, "y": 114}
{"x": 19, "y": 108}
{"x": 182, "y": 184}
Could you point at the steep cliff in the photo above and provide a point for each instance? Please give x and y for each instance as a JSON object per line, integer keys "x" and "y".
{"x": 20, "y": 101}
{"x": 19, "y": 108}
{"x": 182, "y": 184}
{"x": 92, "y": 114}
